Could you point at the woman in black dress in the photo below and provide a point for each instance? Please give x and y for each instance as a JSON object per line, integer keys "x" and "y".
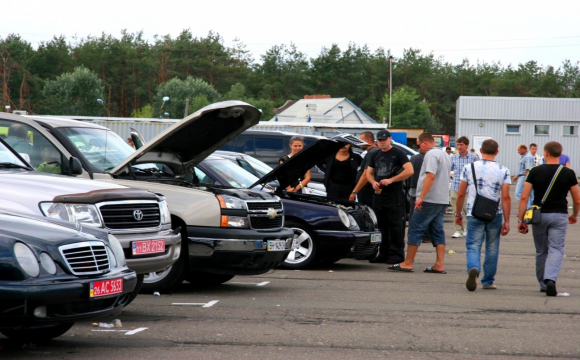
{"x": 340, "y": 172}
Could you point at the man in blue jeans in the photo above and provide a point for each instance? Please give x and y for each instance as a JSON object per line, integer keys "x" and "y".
{"x": 525, "y": 164}
{"x": 493, "y": 181}
{"x": 432, "y": 199}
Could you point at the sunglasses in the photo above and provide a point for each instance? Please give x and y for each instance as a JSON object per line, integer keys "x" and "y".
{"x": 296, "y": 138}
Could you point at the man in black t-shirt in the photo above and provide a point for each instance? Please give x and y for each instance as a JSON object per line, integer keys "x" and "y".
{"x": 386, "y": 171}
{"x": 550, "y": 232}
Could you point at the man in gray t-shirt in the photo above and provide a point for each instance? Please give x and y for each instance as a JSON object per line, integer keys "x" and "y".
{"x": 432, "y": 200}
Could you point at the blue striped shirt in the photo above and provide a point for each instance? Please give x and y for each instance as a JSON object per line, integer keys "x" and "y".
{"x": 526, "y": 163}
{"x": 457, "y": 164}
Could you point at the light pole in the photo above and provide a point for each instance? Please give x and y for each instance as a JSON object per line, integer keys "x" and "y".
{"x": 7, "y": 107}
{"x": 390, "y": 87}
{"x": 165, "y": 99}
{"x": 340, "y": 107}
{"x": 100, "y": 101}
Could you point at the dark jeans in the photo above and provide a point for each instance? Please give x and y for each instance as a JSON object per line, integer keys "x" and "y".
{"x": 365, "y": 195}
{"x": 412, "y": 207}
{"x": 339, "y": 191}
{"x": 390, "y": 211}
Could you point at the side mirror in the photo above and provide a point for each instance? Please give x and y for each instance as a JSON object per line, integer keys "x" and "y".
{"x": 74, "y": 167}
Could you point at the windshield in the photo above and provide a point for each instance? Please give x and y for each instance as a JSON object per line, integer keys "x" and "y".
{"x": 7, "y": 158}
{"x": 230, "y": 173}
{"x": 101, "y": 147}
{"x": 261, "y": 167}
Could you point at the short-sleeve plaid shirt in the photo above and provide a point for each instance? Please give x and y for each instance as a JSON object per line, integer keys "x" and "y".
{"x": 457, "y": 164}
{"x": 526, "y": 163}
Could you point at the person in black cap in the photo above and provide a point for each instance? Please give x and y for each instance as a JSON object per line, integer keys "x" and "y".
{"x": 386, "y": 171}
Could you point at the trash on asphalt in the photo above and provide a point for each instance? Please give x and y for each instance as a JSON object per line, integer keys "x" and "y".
{"x": 451, "y": 252}
{"x": 156, "y": 293}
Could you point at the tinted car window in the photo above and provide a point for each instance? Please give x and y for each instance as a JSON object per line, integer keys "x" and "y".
{"x": 40, "y": 153}
{"x": 269, "y": 145}
{"x": 249, "y": 147}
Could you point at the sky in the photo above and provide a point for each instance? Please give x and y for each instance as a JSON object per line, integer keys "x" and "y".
{"x": 508, "y": 31}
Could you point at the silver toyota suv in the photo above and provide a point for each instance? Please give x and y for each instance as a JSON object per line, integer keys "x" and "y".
{"x": 140, "y": 219}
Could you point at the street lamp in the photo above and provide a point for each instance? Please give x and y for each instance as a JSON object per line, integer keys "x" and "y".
{"x": 100, "y": 101}
{"x": 7, "y": 107}
{"x": 340, "y": 107}
{"x": 165, "y": 99}
{"x": 390, "y": 87}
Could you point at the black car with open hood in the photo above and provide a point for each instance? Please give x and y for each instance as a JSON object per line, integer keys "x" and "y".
{"x": 325, "y": 229}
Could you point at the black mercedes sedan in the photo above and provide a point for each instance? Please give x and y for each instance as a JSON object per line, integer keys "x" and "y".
{"x": 54, "y": 273}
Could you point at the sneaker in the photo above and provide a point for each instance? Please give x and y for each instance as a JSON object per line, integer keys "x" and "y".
{"x": 465, "y": 233}
{"x": 551, "y": 288}
{"x": 471, "y": 283}
{"x": 457, "y": 234}
{"x": 489, "y": 287}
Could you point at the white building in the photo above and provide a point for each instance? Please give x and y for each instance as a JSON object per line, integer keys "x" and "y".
{"x": 325, "y": 110}
{"x": 518, "y": 120}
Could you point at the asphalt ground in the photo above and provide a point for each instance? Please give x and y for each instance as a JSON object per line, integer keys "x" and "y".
{"x": 350, "y": 310}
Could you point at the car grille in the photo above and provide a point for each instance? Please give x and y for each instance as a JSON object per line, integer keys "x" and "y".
{"x": 259, "y": 217}
{"x": 126, "y": 216}
{"x": 86, "y": 258}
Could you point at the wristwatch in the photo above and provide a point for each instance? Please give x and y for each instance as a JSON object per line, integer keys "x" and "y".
{"x": 520, "y": 221}
{"x": 457, "y": 215}
{"x": 354, "y": 192}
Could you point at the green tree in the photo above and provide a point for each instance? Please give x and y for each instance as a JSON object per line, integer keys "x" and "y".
{"x": 408, "y": 110}
{"x": 17, "y": 84}
{"x": 145, "y": 112}
{"x": 198, "y": 91}
{"x": 74, "y": 93}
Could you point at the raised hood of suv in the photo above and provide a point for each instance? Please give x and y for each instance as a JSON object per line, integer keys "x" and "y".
{"x": 293, "y": 169}
{"x": 195, "y": 137}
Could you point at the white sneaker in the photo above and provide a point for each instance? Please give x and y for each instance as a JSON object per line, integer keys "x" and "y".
{"x": 457, "y": 234}
{"x": 465, "y": 233}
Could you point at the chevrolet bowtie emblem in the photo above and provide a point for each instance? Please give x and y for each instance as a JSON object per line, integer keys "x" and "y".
{"x": 272, "y": 213}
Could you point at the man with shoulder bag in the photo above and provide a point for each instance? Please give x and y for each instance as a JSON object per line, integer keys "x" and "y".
{"x": 550, "y": 183}
{"x": 487, "y": 204}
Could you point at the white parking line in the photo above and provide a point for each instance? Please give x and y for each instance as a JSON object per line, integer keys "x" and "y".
{"x": 248, "y": 283}
{"x": 127, "y": 332}
{"x": 206, "y": 305}
{"x": 132, "y": 332}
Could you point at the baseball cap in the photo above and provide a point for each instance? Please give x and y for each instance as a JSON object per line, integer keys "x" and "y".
{"x": 383, "y": 135}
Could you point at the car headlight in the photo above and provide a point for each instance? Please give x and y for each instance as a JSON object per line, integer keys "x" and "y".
{"x": 47, "y": 263}
{"x": 353, "y": 223}
{"x": 117, "y": 250}
{"x": 85, "y": 214}
{"x": 230, "y": 202}
{"x": 372, "y": 215}
{"x": 235, "y": 221}
{"x": 165, "y": 214}
{"x": 26, "y": 259}
{"x": 344, "y": 218}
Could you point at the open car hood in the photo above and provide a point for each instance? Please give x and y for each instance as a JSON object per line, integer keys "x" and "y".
{"x": 293, "y": 169}
{"x": 195, "y": 137}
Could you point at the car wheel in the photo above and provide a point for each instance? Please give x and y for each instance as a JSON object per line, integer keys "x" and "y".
{"x": 201, "y": 279}
{"x": 41, "y": 334}
{"x": 136, "y": 290}
{"x": 303, "y": 251}
{"x": 168, "y": 279}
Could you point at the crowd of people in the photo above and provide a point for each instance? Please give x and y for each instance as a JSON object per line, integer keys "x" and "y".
{"x": 376, "y": 177}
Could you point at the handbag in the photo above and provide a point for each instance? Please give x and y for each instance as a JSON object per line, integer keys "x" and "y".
{"x": 533, "y": 214}
{"x": 483, "y": 209}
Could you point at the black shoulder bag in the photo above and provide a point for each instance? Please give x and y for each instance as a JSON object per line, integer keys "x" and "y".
{"x": 483, "y": 209}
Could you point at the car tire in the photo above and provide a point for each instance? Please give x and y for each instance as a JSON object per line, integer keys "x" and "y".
{"x": 303, "y": 252}
{"x": 168, "y": 279}
{"x": 201, "y": 279}
{"x": 41, "y": 334}
{"x": 137, "y": 289}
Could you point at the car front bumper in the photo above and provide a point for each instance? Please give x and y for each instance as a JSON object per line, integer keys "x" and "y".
{"x": 346, "y": 244}
{"x": 66, "y": 299}
{"x": 143, "y": 264}
{"x": 235, "y": 251}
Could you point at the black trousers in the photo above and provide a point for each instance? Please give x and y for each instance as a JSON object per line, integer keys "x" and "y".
{"x": 339, "y": 191}
{"x": 390, "y": 211}
{"x": 365, "y": 195}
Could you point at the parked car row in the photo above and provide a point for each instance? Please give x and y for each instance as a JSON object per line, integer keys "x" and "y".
{"x": 101, "y": 222}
